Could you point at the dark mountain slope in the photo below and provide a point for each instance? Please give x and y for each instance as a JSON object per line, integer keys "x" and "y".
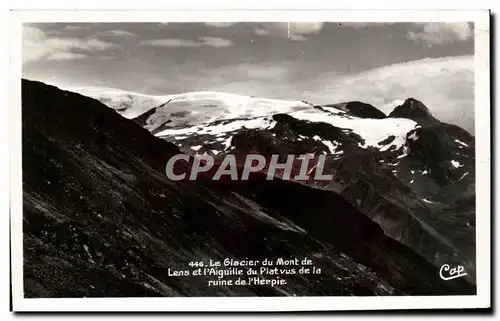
{"x": 359, "y": 109}
{"x": 101, "y": 219}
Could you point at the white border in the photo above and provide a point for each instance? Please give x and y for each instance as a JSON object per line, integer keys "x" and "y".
{"x": 483, "y": 193}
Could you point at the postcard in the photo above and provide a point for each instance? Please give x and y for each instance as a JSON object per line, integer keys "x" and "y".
{"x": 250, "y": 161}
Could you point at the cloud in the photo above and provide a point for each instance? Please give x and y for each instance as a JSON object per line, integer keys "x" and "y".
{"x": 271, "y": 79}
{"x": 306, "y": 27}
{"x": 37, "y": 46}
{"x": 116, "y": 33}
{"x": 362, "y": 25}
{"x": 66, "y": 56}
{"x": 74, "y": 27}
{"x": 251, "y": 71}
{"x": 260, "y": 31}
{"x": 171, "y": 42}
{"x": 296, "y": 31}
{"x": 105, "y": 58}
{"x": 216, "y": 42}
{"x": 444, "y": 85}
{"x": 179, "y": 42}
{"x": 220, "y": 24}
{"x": 440, "y": 32}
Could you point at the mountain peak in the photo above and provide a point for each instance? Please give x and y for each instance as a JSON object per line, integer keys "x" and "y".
{"x": 364, "y": 110}
{"x": 412, "y": 109}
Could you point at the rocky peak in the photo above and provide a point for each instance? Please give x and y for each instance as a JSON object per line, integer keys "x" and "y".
{"x": 364, "y": 110}
{"x": 412, "y": 109}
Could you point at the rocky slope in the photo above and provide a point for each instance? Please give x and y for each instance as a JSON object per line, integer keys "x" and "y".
{"x": 101, "y": 219}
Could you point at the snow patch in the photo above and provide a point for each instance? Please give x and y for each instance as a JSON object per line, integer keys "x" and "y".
{"x": 456, "y": 164}
{"x": 330, "y": 146}
{"x": 86, "y": 248}
{"x": 372, "y": 131}
{"x": 333, "y": 110}
{"x": 220, "y": 129}
{"x": 413, "y": 136}
{"x": 461, "y": 143}
{"x": 227, "y": 142}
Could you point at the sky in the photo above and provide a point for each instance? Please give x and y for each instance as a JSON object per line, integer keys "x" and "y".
{"x": 378, "y": 63}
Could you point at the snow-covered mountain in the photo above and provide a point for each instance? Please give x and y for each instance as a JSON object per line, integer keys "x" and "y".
{"x": 216, "y": 115}
{"x": 203, "y": 108}
{"x": 372, "y": 132}
{"x": 208, "y": 121}
{"x": 186, "y": 108}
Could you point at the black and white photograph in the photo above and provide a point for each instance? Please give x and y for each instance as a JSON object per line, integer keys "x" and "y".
{"x": 241, "y": 157}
